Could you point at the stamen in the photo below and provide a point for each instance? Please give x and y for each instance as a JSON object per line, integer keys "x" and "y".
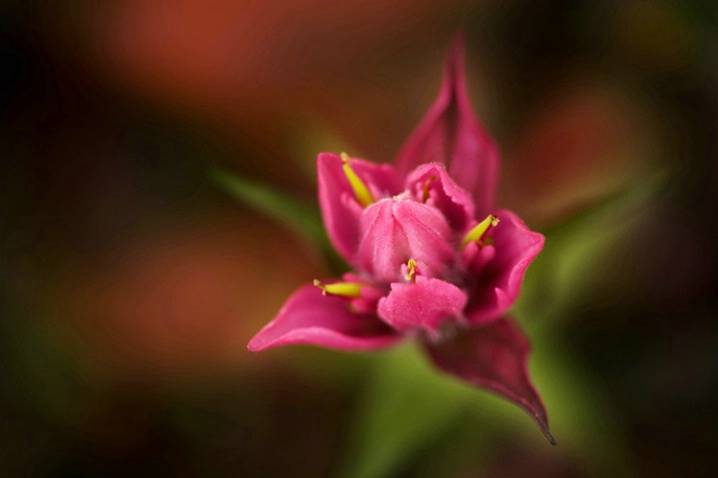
{"x": 412, "y": 269}
{"x": 351, "y": 290}
{"x": 478, "y": 231}
{"x": 361, "y": 191}
{"x": 425, "y": 188}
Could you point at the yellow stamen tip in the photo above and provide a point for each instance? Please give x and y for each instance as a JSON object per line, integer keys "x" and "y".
{"x": 344, "y": 289}
{"x": 478, "y": 231}
{"x": 411, "y": 270}
{"x": 361, "y": 191}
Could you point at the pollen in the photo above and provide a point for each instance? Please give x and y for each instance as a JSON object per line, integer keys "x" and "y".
{"x": 351, "y": 290}
{"x": 480, "y": 230}
{"x": 361, "y": 191}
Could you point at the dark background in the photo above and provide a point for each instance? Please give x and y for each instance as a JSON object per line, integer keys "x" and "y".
{"x": 130, "y": 283}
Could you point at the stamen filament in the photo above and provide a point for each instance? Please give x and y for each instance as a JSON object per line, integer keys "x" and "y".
{"x": 344, "y": 289}
{"x": 478, "y": 231}
{"x": 361, "y": 191}
{"x": 425, "y": 188}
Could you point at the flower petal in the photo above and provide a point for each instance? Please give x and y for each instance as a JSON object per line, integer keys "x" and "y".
{"x": 425, "y": 303}
{"x": 308, "y": 317}
{"x": 395, "y": 230}
{"x": 431, "y": 184}
{"x": 340, "y": 209}
{"x": 494, "y": 357}
{"x": 499, "y": 269}
{"x": 451, "y": 134}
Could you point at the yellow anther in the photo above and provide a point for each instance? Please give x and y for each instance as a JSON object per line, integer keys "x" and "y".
{"x": 411, "y": 270}
{"x": 478, "y": 231}
{"x": 343, "y": 289}
{"x": 361, "y": 191}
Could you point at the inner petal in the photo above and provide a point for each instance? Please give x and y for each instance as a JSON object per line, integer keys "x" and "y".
{"x": 394, "y": 230}
{"x": 431, "y": 184}
{"x": 500, "y": 269}
{"x": 424, "y": 304}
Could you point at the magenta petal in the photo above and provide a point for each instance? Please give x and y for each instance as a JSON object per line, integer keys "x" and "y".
{"x": 426, "y": 303}
{"x": 430, "y": 183}
{"x": 308, "y": 317}
{"x": 494, "y": 357}
{"x": 514, "y": 248}
{"x": 395, "y": 230}
{"x": 451, "y": 134}
{"x": 340, "y": 210}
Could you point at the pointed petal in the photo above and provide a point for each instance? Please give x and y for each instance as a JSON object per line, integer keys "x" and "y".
{"x": 500, "y": 269}
{"x": 451, "y": 134}
{"x": 340, "y": 209}
{"x": 431, "y": 184}
{"x": 426, "y": 304}
{"x": 494, "y": 357}
{"x": 396, "y": 230}
{"x": 308, "y": 317}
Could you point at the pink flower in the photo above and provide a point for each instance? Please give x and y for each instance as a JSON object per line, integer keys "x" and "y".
{"x": 431, "y": 257}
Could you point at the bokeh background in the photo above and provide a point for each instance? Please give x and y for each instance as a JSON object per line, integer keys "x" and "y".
{"x": 131, "y": 282}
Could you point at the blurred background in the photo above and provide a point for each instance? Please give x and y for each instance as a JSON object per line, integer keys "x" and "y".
{"x": 130, "y": 282}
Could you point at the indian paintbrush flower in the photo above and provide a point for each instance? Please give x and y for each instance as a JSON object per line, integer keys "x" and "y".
{"x": 432, "y": 258}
